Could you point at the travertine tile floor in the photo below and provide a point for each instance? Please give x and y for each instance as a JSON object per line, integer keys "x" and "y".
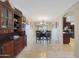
{"x": 45, "y": 50}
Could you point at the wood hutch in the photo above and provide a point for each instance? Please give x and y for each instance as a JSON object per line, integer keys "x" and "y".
{"x": 68, "y": 29}
{"x": 66, "y": 36}
{"x": 12, "y": 38}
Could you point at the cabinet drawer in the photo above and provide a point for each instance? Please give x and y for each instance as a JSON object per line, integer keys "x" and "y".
{"x": 66, "y": 39}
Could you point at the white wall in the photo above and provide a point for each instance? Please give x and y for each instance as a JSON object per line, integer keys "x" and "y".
{"x": 30, "y": 37}
{"x": 74, "y": 11}
{"x": 57, "y": 33}
{"x": 77, "y": 36}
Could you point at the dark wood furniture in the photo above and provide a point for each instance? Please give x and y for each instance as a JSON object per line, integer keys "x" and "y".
{"x": 43, "y": 36}
{"x": 7, "y": 49}
{"x": 17, "y": 20}
{"x": 6, "y": 18}
{"x": 10, "y": 47}
{"x": 38, "y": 36}
{"x": 6, "y": 27}
{"x": 72, "y": 33}
{"x": 48, "y": 35}
{"x": 66, "y": 36}
{"x": 19, "y": 45}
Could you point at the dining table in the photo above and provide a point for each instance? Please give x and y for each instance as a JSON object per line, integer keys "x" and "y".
{"x": 43, "y": 35}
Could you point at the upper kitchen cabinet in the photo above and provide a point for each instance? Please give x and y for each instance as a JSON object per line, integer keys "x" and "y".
{"x": 17, "y": 20}
{"x": 6, "y": 17}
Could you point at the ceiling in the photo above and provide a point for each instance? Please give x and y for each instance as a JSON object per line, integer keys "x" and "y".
{"x": 43, "y": 9}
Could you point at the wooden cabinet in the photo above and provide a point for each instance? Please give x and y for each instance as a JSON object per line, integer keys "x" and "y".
{"x": 17, "y": 20}
{"x": 19, "y": 45}
{"x": 66, "y": 27}
{"x": 6, "y": 17}
{"x": 11, "y": 48}
{"x": 3, "y": 31}
{"x": 8, "y": 49}
{"x": 66, "y": 38}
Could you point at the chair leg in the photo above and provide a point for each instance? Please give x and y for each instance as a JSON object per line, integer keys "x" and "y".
{"x": 49, "y": 40}
{"x": 36, "y": 40}
{"x": 40, "y": 40}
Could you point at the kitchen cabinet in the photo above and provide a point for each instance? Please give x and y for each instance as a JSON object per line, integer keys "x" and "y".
{"x": 11, "y": 48}
{"x": 66, "y": 38}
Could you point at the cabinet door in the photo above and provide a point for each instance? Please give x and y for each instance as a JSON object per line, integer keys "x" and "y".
{"x": 8, "y": 49}
{"x": 10, "y": 21}
{"x": 19, "y": 45}
{"x": 3, "y": 20}
{"x": 4, "y": 16}
{"x": 22, "y": 42}
{"x": 66, "y": 38}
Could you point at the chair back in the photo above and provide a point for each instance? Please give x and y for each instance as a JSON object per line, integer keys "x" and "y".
{"x": 48, "y": 33}
{"x": 38, "y": 33}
